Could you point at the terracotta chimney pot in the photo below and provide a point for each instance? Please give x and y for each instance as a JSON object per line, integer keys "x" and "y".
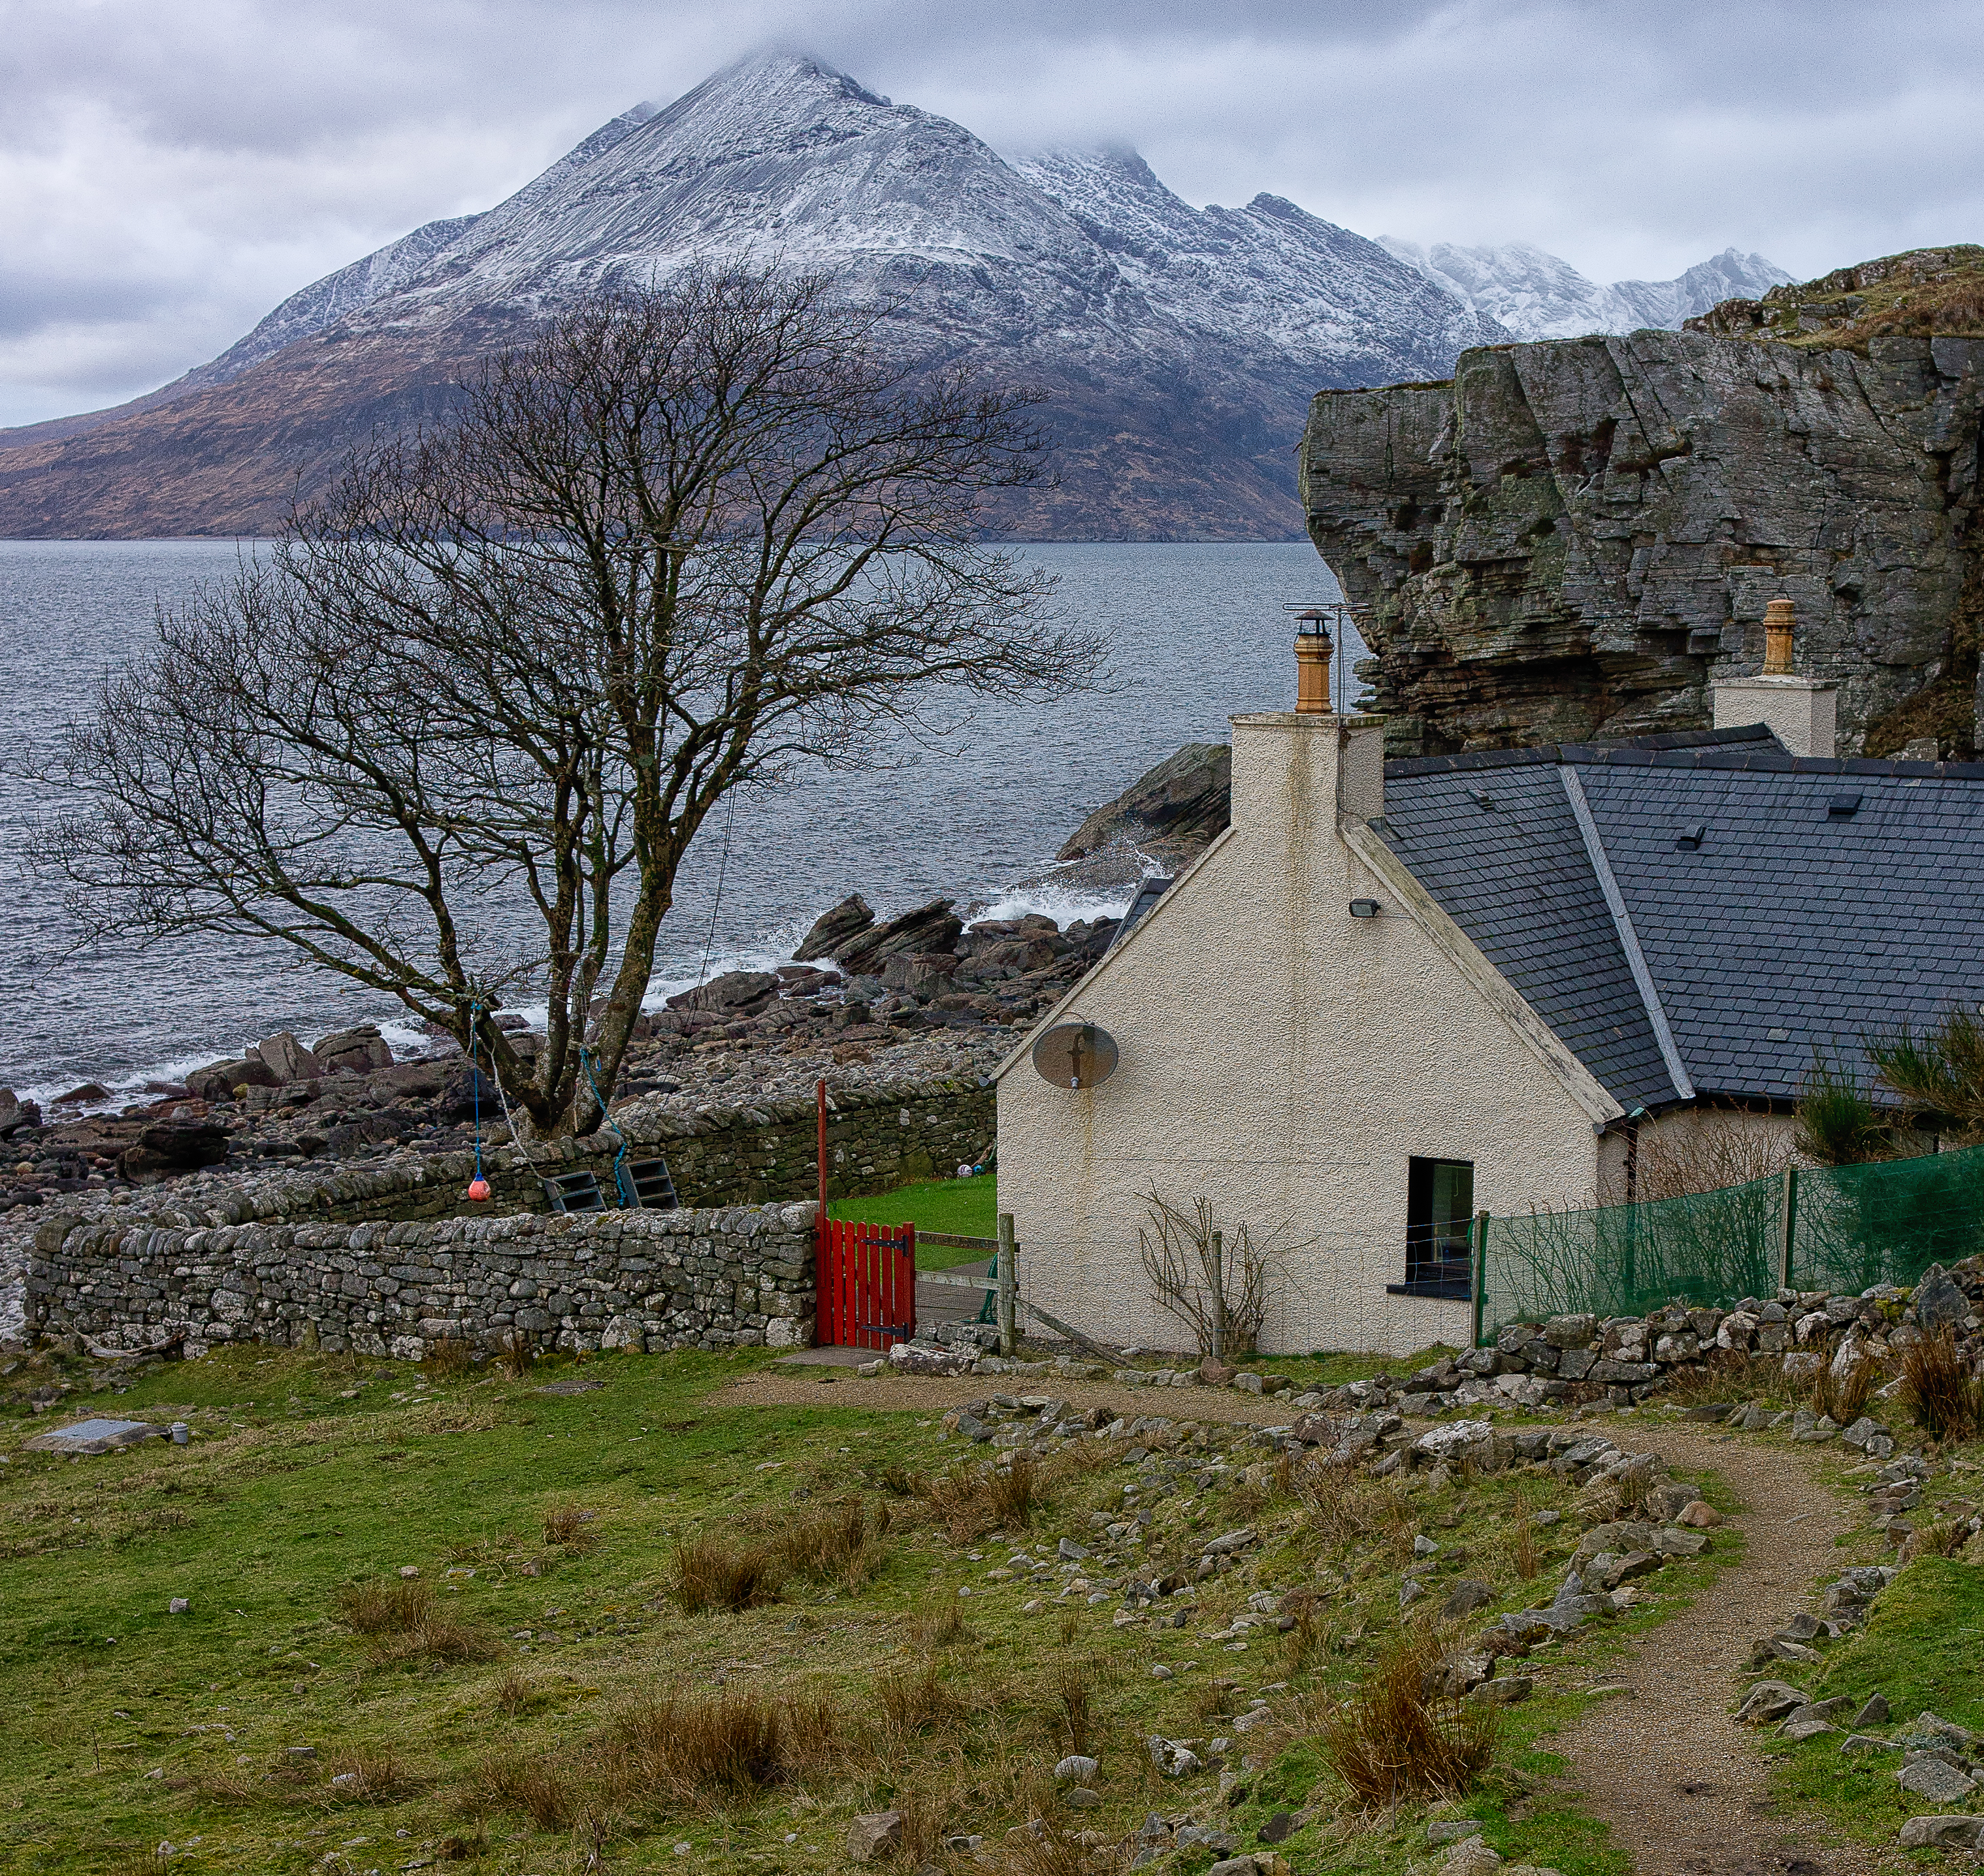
{"x": 1780, "y": 618}
{"x": 1312, "y": 650}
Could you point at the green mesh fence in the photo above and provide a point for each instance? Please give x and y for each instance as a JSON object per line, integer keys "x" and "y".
{"x": 1850, "y": 1228}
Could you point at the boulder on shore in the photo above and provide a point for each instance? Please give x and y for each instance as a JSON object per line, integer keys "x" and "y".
{"x": 931, "y": 927}
{"x": 1171, "y": 812}
{"x": 835, "y": 927}
{"x": 734, "y": 990}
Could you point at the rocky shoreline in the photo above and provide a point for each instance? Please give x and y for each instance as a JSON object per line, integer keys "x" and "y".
{"x": 866, "y": 1002}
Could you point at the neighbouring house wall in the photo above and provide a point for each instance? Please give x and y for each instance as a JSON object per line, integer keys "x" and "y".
{"x": 1696, "y": 1150}
{"x": 1285, "y": 1060}
{"x": 615, "y": 1280}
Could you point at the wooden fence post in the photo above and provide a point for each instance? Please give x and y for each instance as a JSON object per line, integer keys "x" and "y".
{"x": 1009, "y": 1286}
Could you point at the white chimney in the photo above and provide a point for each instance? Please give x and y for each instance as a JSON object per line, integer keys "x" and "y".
{"x": 1802, "y": 712}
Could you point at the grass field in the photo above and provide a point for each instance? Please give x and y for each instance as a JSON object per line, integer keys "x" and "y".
{"x": 522, "y": 1704}
{"x": 959, "y": 1207}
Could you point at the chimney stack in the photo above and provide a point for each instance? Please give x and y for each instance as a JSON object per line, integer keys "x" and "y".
{"x": 1779, "y": 618}
{"x": 1802, "y": 712}
{"x": 1312, "y": 650}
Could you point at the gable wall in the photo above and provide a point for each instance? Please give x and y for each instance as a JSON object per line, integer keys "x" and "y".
{"x": 1284, "y": 1059}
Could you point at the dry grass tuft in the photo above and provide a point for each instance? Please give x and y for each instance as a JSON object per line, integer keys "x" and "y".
{"x": 543, "y": 1791}
{"x": 1844, "y": 1399}
{"x": 711, "y": 1573}
{"x": 917, "y": 1701}
{"x": 1072, "y": 1685}
{"x": 1944, "y": 1399}
{"x": 515, "y": 1354}
{"x": 973, "y": 1500}
{"x": 942, "y": 1627}
{"x": 1054, "y": 1852}
{"x": 1392, "y": 1738}
{"x": 369, "y": 1775}
{"x": 735, "y": 1744}
{"x": 449, "y": 1359}
{"x": 571, "y": 1527}
{"x": 1071, "y": 1628}
{"x": 1523, "y": 1547}
{"x": 402, "y": 1624}
{"x": 840, "y": 1545}
{"x": 515, "y": 1694}
{"x": 385, "y": 1608}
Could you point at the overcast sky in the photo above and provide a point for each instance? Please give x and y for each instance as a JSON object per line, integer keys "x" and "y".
{"x": 169, "y": 173}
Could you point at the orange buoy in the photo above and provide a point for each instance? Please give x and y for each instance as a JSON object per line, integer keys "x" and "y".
{"x": 478, "y": 1189}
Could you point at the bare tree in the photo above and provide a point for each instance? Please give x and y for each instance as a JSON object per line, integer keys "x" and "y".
{"x": 1218, "y": 1283}
{"x": 678, "y": 542}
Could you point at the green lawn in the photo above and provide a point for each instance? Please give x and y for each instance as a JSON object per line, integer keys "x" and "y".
{"x": 960, "y": 1207}
{"x": 546, "y": 1526}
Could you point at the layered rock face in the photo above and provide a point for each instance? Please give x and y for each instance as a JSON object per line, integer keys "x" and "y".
{"x": 1575, "y": 538}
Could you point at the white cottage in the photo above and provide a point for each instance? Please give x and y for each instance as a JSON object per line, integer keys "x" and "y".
{"x": 1390, "y": 995}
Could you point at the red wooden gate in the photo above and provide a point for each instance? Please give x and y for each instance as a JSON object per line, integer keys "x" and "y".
{"x": 867, "y": 1278}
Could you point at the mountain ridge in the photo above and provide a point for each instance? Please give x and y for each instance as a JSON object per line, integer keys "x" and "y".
{"x": 1179, "y": 346}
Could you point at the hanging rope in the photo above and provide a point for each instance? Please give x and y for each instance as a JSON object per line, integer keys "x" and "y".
{"x": 478, "y": 1187}
{"x": 723, "y": 871}
{"x": 621, "y": 1183}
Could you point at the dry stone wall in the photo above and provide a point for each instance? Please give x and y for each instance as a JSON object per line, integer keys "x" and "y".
{"x": 707, "y": 1279}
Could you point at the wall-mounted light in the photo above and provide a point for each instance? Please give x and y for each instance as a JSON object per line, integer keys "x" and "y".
{"x": 1363, "y": 908}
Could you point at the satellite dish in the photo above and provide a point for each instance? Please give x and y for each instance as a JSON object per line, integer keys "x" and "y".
{"x": 1076, "y": 1054}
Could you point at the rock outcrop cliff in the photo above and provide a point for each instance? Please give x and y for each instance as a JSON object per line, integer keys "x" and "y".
{"x": 1575, "y": 538}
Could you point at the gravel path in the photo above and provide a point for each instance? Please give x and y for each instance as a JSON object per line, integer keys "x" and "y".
{"x": 1682, "y": 1786}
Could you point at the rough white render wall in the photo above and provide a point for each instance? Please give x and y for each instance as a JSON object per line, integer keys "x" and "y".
{"x": 1285, "y": 1060}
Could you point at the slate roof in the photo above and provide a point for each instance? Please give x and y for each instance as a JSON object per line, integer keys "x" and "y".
{"x": 1789, "y": 929}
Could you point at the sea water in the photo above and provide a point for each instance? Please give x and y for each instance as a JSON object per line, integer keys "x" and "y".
{"x": 1196, "y": 633}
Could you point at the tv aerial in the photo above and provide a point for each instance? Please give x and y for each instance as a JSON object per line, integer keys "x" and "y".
{"x": 1076, "y": 1056}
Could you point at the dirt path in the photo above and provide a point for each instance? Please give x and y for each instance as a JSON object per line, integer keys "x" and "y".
{"x": 1682, "y": 1786}
{"x": 780, "y": 1386}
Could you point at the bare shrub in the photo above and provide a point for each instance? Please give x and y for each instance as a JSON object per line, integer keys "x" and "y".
{"x": 1943, "y": 1397}
{"x": 974, "y": 1499}
{"x": 711, "y": 1573}
{"x": 1218, "y": 1284}
{"x": 448, "y": 1359}
{"x": 515, "y": 1354}
{"x": 572, "y": 1527}
{"x": 1706, "y": 1151}
{"x": 1393, "y": 1739}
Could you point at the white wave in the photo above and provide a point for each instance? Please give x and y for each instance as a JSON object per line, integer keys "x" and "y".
{"x": 1066, "y": 905}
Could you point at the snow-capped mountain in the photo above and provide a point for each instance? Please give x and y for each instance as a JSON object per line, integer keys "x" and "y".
{"x": 1537, "y": 295}
{"x": 1073, "y": 253}
{"x": 1177, "y": 347}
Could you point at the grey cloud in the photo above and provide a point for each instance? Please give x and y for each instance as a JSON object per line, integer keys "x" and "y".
{"x": 180, "y": 170}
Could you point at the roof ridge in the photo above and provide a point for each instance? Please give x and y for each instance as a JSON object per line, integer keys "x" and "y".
{"x": 1629, "y": 938}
